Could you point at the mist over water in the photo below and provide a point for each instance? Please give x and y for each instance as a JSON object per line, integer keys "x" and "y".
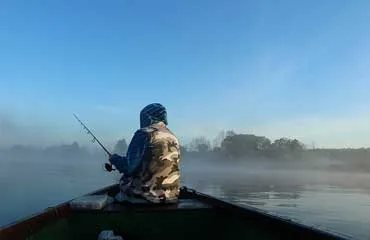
{"x": 310, "y": 193}
{"x": 330, "y": 200}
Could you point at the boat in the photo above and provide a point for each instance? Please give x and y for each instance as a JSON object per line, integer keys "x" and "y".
{"x": 196, "y": 215}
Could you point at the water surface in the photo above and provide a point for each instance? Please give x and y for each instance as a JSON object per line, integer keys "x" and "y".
{"x": 330, "y": 201}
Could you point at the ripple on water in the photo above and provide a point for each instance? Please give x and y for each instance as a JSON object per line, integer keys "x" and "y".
{"x": 327, "y": 207}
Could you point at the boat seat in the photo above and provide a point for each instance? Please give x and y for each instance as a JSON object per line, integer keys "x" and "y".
{"x": 91, "y": 202}
{"x": 105, "y": 203}
{"x": 138, "y": 205}
{"x": 138, "y": 201}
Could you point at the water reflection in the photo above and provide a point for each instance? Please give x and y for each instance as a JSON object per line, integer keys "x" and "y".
{"x": 327, "y": 207}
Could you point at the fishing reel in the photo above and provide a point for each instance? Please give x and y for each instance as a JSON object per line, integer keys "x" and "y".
{"x": 108, "y": 167}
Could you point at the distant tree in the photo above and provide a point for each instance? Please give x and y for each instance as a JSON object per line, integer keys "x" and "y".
{"x": 313, "y": 145}
{"x": 288, "y": 145}
{"x": 242, "y": 144}
{"x": 183, "y": 150}
{"x": 121, "y": 147}
{"x": 200, "y": 144}
{"x": 230, "y": 133}
{"x": 73, "y": 150}
{"x": 263, "y": 144}
{"x": 281, "y": 144}
{"x": 74, "y": 146}
{"x": 284, "y": 147}
{"x": 68, "y": 149}
{"x": 296, "y": 146}
{"x": 221, "y": 136}
{"x": 217, "y": 149}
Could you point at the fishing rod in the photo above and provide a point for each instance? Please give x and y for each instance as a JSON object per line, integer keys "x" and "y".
{"x": 108, "y": 166}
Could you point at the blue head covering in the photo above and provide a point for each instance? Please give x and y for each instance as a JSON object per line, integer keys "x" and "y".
{"x": 153, "y": 113}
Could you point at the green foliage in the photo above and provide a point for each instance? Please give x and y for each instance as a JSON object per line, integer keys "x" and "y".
{"x": 288, "y": 145}
{"x": 242, "y": 144}
{"x": 236, "y": 145}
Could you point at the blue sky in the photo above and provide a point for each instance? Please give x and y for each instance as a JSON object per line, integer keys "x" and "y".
{"x": 273, "y": 68}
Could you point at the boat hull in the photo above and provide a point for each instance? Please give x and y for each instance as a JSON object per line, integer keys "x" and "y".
{"x": 195, "y": 216}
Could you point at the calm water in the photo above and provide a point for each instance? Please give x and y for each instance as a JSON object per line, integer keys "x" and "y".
{"x": 335, "y": 201}
{"x": 333, "y": 208}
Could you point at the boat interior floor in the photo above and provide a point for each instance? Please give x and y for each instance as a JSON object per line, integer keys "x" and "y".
{"x": 188, "y": 219}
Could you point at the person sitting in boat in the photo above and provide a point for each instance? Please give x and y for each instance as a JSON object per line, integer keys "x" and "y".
{"x": 151, "y": 166}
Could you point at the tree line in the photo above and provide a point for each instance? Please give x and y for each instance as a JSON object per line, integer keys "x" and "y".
{"x": 231, "y": 144}
{"x": 227, "y": 144}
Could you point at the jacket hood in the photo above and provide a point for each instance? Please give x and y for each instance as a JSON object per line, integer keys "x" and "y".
{"x": 153, "y": 113}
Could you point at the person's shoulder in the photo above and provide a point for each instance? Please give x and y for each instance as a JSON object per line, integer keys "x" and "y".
{"x": 143, "y": 130}
{"x": 166, "y": 134}
{"x": 142, "y": 133}
{"x": 140, "y": 136}
{"x": 168, "y": 131}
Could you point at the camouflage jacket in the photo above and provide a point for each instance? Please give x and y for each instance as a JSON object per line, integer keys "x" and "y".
{"x": 152, "y": 165}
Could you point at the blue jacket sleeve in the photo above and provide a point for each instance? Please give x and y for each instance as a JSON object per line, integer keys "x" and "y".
{"x": 135, "y": 152}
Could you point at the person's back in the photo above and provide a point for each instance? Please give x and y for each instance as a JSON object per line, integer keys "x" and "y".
{"x": 153, "y": 158}
{"x": 158, "y": 180}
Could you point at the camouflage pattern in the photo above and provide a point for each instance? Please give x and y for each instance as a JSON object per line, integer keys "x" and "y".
{"x": 159, "y": 177}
